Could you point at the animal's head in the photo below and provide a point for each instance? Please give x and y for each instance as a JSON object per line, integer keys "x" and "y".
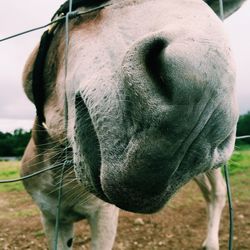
{"x": 150, "y": 96}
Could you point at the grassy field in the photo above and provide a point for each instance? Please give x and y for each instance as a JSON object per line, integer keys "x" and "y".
{"x": 240, "y": 172}
{"x": 10, "y": 170}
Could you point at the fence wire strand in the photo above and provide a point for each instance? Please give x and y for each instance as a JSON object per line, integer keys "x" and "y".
{"x": 60, "y": 191}
{"x": 60, "y": 19}
{"x": 72, "y": 14}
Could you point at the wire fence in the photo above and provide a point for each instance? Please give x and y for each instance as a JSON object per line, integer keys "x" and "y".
{"x": 59, "y": 19}
{"x": 65, "y": 18}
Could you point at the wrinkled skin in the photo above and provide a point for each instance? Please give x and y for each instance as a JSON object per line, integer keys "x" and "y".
{"x": 150, "y": 96}
{"x": 162, "y": 110}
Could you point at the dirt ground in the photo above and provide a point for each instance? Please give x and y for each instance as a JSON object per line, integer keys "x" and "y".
{"x": 180, "y": 225}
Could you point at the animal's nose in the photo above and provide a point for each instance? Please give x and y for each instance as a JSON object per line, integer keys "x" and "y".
{"x": 175, "y": 71}
{"x": 143, "y": 67}
{"x": 178, "y": 94}
{"x": 155, "y": 63}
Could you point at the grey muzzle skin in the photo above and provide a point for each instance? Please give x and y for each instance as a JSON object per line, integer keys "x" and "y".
{"x": 179, "y": 122}
{"x": 164, "y": 115}
{"x": 190, "y": 131}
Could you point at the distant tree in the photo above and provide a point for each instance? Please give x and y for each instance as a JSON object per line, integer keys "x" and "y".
{"x": 243, "y": 126}
{"x": 13, "y": 144}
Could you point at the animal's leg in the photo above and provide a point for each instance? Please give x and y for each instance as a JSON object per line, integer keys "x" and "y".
{"x": 218, "y": 200}
{"x": 65, "y": 235}
{"x": 103, "y": 223}
{"x": 213, "y": 187}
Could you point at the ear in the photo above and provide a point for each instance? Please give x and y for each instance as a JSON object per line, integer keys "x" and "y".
{"x": 27, "y": 74}
{"x": 230, "y": 6}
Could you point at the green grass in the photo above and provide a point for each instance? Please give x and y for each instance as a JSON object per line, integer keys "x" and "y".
{"x": 240, "y": 161}
{"x": 239, "y": 169}
{"x": 10, "y": 170}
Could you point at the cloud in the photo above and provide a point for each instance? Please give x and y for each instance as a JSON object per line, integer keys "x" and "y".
{"x": 240, "y": 40}
{"x": 15, "y": 16}
{"x": 9, "y": 125}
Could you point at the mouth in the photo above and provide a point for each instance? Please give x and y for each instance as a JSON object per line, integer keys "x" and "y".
{"x": 144, "y": 175}
{"x": 90, "y": 168}
{"x": 137, "y": 184}
{"x": 87, "y": 155}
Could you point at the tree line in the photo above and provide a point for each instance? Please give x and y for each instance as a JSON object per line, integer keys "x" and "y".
{"x": 243, "y": 127}
{"x": 13, "y": 144}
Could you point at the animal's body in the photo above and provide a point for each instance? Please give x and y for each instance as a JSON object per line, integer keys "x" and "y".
{"x": 150, "y": 104}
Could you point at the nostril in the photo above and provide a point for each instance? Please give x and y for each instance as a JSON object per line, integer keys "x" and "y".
{"x": 156, "y": 67}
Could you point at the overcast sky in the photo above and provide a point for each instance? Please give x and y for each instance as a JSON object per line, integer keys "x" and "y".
{"x": 15, "y": 16}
